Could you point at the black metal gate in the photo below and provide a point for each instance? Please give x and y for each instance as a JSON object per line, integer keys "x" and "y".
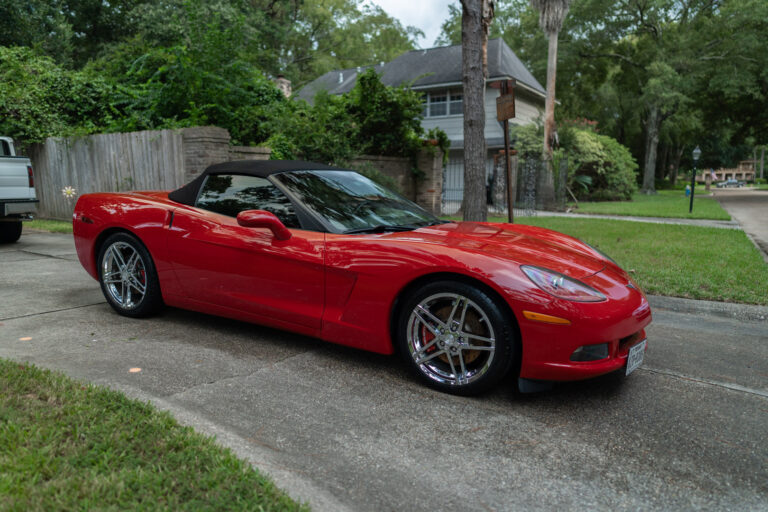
{"x": 453, "y": 182}
{"x": 527, "y": 175}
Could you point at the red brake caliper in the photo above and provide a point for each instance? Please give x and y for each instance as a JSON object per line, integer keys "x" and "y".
{"x": 427, "y": 336}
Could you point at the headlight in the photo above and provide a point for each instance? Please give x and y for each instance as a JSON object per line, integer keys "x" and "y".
{"x": 561, "y": 286}
{"x": 601, "y": 253}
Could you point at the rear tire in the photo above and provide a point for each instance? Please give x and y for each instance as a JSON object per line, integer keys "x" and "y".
{"x": 10, "y": 232}
{"x": 456, "y": 337}
{"x": 128, "y": 276}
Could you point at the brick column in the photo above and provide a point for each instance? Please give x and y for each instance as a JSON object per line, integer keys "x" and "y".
{"x": 203, "y": 146}
{"x": 429, "y": 191}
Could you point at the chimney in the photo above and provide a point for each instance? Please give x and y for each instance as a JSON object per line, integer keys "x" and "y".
{"x": 284, "y": 85}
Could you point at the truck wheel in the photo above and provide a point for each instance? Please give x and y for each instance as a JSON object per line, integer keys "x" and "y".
{"x": 10, "y": 231}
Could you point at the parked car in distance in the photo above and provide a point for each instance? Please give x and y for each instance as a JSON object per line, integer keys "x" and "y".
{"x": 328, "y": 253}
{"x": 17, "y": 191}
{"x": 730, "y": 183}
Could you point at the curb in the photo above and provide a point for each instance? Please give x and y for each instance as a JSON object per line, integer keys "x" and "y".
{"x": 747, "y": 312}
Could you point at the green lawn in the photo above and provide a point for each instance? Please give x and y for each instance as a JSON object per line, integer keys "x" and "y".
{"x": 674, "y": 260}
{"x": 54, "y": 226}
{"x": 71, "y": 446}
{"x": 666, "y": 203}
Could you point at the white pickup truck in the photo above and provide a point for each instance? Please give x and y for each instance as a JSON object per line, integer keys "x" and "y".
{"x": 17, "y": 191}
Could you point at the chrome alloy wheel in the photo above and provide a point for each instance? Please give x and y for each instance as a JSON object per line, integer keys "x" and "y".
{"x": 124, "y": 275}
{"x": 450, "y": 338}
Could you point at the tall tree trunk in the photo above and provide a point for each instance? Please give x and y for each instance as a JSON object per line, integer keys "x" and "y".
{"x": 473, "y": 41}
{"x": 676, "y": 165}
{"x": 546, "y": 180}
{"x": 651, "y": 144}
{"x": 661, "y": 165}
{"x": 762, "y": 162}
{"x": 549, "y": 106}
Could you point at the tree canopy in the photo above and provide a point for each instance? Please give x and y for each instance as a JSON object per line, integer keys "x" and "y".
{"x": 660, "y": 76}
{"x": 82, "y": 66}
{"x": 686, "y": 73}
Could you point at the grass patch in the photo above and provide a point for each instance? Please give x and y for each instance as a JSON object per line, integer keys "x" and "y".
{"x": 54, "y": 226}
{"x": 674, "y": 260}
{"x": 70, "y": 446}
{"x": 666, "y": 203}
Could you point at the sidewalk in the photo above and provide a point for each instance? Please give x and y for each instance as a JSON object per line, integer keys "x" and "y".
{"x": 706, "y": 223}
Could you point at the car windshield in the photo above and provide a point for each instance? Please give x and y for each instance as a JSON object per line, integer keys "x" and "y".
{"x": 348, "y": 202}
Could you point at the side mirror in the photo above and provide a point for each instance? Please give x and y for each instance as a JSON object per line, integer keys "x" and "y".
{"x": 262, "y": 219}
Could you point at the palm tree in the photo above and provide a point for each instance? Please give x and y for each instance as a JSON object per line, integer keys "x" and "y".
{"x": 551, "y": 16}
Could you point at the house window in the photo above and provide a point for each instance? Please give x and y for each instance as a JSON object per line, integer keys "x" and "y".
{"x": 442, "y": 103}
{"x": 438, "y": 104}
{"x": 456, "y": 105}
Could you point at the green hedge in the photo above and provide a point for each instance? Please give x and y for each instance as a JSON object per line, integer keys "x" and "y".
{"x": 599, "y": 168}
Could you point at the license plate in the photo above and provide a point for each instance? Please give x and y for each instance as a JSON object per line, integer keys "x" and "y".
{"x": 635, "y": 356}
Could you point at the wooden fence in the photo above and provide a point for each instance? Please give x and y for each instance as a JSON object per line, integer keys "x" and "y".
{"x": 167, "y": 159}
{"x": 105, "y": 163}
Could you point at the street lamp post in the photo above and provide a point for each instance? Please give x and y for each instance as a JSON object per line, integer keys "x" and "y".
{"x": 696, "y": 155}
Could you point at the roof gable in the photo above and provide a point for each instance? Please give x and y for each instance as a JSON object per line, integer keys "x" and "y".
{"x": 430, "y": 67}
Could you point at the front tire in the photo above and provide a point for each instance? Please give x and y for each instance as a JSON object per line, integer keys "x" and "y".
{"x": 10, "y": 232}
{"x": 456, "y": 337}
{"x": 128, "y": 277}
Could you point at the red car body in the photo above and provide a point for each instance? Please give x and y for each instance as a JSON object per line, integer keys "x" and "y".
{"x": 345, "y": 288}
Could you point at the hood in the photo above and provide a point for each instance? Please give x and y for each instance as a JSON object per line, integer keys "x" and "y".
{"x": 524, "y": 245}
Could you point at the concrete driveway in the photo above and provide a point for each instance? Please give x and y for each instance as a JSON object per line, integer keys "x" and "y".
{"x": 348, "y": 430}
{"x": 750, "y": 208}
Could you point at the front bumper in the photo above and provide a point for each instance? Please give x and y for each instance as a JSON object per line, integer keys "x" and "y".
{"x": 619, "y": 321}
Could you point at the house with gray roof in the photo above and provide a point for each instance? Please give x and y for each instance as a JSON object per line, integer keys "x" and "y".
{"x": 436, "y": 72}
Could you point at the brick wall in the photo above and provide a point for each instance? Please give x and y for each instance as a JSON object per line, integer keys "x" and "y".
{"x": 427, "y": 192}
{"x": 203, "y": 146}
{"x": 399, "y": 169}
{"x": 249, "y": 153}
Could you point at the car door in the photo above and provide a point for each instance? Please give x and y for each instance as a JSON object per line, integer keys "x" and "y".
{"x": 247, "y": 269}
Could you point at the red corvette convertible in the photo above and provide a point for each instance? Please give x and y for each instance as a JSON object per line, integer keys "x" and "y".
{"x": 329, "y": 253}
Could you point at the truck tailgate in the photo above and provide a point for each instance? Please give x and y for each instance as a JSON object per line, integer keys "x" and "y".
{"x": 14, "y": 178}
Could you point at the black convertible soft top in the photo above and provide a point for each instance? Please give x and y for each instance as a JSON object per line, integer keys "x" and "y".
{"x": 261, "y": 168}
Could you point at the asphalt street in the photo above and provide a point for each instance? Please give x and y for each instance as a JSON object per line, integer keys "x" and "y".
{"x": 750, "y": 208}
{"x": 349, "y": 430}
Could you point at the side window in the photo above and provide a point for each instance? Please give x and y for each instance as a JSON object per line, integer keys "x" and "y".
{"x": 5, "y": 148}
{"x": 230, "y": 194}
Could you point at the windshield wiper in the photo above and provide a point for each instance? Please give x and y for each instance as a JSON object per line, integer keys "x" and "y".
{"x": 381, "y": 228}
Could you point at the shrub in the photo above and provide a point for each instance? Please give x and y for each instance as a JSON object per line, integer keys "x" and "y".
{"x": 179, "y": 86}
{"x": 388, "y": 118}
{"x": 616, "y": 177}
{"x": 39, "y": 99}
{"x": 371, "y": 119}
{"x": 323, "y": 132}
{"x": 608, "y": 164}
